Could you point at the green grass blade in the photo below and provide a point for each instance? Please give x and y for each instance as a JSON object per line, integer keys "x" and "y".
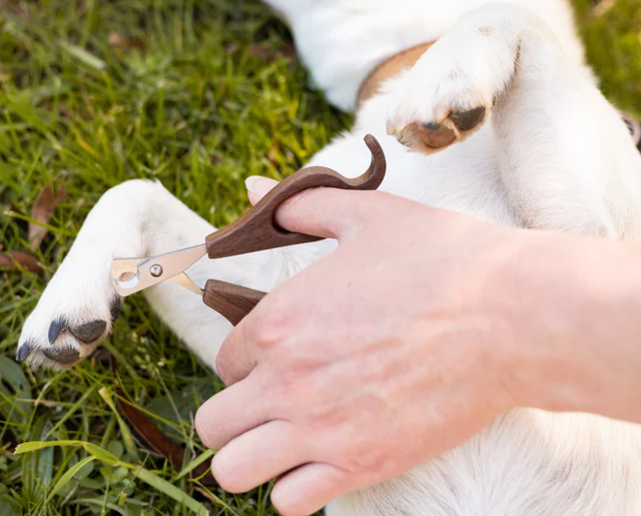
{"x": 172, "y": 491}
{"x": 127, "y": 437}
{"x": 194, "y": 464}
{"x": 39, "y": 445}
{"x": 82, "y": 55}
{"x": 71, "y": 472}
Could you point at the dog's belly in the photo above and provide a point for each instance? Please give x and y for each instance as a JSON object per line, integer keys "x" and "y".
{"x": 528, "y": 463}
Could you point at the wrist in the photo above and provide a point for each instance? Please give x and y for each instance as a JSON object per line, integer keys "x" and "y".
{"x": 575, "y": 325}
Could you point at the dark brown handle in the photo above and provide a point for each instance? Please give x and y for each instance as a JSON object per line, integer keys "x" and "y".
{"x": 233, "y": 302}
{"x": 256, "y": 229}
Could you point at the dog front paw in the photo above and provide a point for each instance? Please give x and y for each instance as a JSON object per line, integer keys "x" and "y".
{"x": 74, "y": 315}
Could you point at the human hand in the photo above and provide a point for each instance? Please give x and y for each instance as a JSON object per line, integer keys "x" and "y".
{"x": 408, "y": 339}
{"x": 376, "y": 358}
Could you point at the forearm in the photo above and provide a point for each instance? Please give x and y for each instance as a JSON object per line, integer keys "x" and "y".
{"x": 577, "y": 304}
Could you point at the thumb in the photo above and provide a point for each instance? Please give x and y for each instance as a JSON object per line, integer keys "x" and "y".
{"x": 323, "y": 212}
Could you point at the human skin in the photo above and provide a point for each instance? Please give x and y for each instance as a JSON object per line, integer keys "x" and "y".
{"x": 411, "y": 337}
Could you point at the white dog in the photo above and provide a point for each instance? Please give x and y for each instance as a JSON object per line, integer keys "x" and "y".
{"x": 530, "y": 142}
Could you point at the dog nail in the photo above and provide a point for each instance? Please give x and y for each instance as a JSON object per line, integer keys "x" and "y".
{"x": 115, "y": 307}
{"x": 55, "y": 328}
{"x": 24, "y": 351}
{"x": 89, "y": 332}
{"x": 432, "y": 126}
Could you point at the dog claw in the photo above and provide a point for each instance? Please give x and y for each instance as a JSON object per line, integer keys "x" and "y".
{"x": 24, "y": 351}
{"x": 55, "y": 328}
{"x": 89, "y": 332}
{"x": 114, "y": 309}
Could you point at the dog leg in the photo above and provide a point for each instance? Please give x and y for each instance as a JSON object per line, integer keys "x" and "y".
{"x": 566, "y": 159}
{"x": 139, "y": 218}
{"x": 342, "y": 41}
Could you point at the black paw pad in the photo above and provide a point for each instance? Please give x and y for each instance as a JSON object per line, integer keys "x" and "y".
{"x": 63, "y": 356}
{"x": 56, "y": 327}
{"x": 89, "y": 332}
{"x": 468, "y": 120}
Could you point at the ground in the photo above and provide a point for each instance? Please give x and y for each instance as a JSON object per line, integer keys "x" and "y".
{"x": 198, "y": 94}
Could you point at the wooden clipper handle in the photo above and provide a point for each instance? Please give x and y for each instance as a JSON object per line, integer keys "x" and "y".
{"x": 231, "y": 301}
{"x": 256, "y": 230}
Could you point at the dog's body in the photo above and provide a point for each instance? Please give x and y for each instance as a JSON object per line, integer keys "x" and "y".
{"x": 552, "y": 154}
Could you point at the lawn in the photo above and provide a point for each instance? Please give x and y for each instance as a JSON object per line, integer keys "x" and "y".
{"x": 198, "y": 94}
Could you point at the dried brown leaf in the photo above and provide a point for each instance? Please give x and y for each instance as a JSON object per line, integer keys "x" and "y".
{"x": 273, "y": 152}
{"x": 21, "y": 259}
{"x": 116, "y": 40}
{"x": 42, "y": 211}
{"x": 265, "y": 52}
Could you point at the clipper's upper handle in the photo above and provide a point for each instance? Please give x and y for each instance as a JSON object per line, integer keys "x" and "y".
{"x": 256, "y": 230}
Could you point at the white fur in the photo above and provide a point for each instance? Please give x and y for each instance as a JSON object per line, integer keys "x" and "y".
{"x": 552, "y": 154}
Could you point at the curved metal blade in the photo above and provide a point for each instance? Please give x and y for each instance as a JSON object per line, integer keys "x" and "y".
{"x": 131, "y": 275}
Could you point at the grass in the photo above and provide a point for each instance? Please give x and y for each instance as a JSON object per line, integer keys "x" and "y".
{"x": 198, "y": 94}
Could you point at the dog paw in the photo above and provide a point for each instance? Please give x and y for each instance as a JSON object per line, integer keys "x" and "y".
{"x": 450, "y": 91}
{"x": 74, "y": 315}
{"x": 440, "y": 132}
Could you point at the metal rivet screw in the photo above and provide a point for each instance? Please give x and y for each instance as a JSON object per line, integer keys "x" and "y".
{"x": 155, "y": 271}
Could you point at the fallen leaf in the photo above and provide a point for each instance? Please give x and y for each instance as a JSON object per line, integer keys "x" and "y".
{"x": 155, "y": 438}
{"x": 115, "y": 40}
{"x": 267, "y": 53}
{"x": 42, "y": 211}
{"x": 18, "y": 259}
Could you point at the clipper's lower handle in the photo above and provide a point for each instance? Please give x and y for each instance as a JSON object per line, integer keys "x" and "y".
{"x": 233, "y": 302}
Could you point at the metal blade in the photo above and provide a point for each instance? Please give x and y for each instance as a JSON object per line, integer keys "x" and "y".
{"x": 133, "y": 275}
{"x": 185, "y": 281}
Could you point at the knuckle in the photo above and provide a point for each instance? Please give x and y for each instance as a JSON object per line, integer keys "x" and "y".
{"x": 363, "y": 457}
{"x": 267, "y": 331}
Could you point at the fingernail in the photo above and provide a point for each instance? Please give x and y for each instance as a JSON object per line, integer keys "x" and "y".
{"x": 251, "y": 183}
{"x": 258, "y": 186}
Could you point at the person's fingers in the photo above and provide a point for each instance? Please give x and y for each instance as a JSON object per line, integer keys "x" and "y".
{"x": 311, "y": 487}
{"x": 232, "y": 412}
{"x": 259, "y": 455}
{"x": 322, "y": 212}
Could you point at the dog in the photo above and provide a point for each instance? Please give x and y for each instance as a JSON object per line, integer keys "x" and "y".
{"x": 481, "y": 108}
